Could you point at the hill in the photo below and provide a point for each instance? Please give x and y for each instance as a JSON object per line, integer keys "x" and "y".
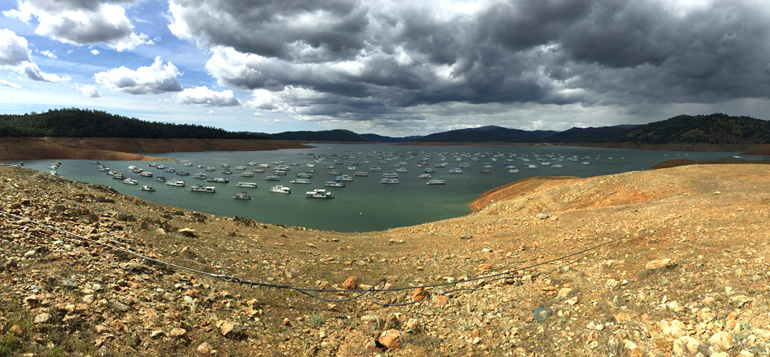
{"x": 712, "y": 129}
{"x": 590, "y": 135}
{"x": 91, "y": 123}
{"x": 662, "y": 262}
{"x": 488, "y": 134}
{"x": 324, "y": 135}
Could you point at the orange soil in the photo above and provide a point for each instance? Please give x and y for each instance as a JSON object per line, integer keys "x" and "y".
{"x": 12, "y": 148}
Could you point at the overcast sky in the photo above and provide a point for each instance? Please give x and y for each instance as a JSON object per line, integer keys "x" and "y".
{"x": 388, "y": 67}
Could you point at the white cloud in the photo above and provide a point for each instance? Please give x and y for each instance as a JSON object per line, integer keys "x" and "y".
{"x": 13, "y": 49}
{"x": 80, "y": 22}
{"x": 4, "y": 83}
{"x": 212, "y": 112}
{"x": 33, "y": 72}
{"x": 48, "y": 54}
{"x": 157, "y": 78}
{"x": 205, "y": 96}
{"x": 94, "y": 52}
{"x": 88, "y": 91}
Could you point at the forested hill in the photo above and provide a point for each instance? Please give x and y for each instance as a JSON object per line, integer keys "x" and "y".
{"x": 715, "y": 128}
{"x": 92, "y": 123}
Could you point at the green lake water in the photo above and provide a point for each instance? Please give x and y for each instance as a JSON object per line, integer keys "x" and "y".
{"x": 365, "y": 204}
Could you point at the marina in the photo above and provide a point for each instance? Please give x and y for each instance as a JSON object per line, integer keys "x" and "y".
{"x": 423, "y": 184}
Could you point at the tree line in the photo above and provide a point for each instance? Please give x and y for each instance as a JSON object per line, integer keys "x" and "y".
{"x": 75, "y": 122}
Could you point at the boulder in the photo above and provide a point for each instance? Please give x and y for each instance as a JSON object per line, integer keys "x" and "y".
{"x": 390, "y": 339}
{"x": 659, "y": 264}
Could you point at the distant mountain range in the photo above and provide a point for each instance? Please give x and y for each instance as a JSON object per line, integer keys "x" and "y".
{"x": 715, "y": 128}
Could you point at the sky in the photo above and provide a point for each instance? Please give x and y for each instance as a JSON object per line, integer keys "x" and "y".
{"x": 394, "y": 68}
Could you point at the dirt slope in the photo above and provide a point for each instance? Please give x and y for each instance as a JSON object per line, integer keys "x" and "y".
{"x": 12, "y": 148}
{"x": 674, "y": 263}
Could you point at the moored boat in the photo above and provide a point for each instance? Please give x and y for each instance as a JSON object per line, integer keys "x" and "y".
{"x": 319, "y": 193}
{"x": 280, "y": 189}
{"x": 130, "y": 181}
{"x": 300, "y": 181}
{"x": 201, "y": 188}
{"x": 436, "y": 181}
{"x": 147, "y": 188}
{"x": 246, "y": 184}
{"x": 242, "y": 196}
{"x": 175, "y": 182}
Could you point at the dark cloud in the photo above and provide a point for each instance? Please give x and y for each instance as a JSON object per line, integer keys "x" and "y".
{"x": 364, "y": 60}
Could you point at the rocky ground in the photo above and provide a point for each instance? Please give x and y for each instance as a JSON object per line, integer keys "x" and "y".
{"x": 664, "y": 262}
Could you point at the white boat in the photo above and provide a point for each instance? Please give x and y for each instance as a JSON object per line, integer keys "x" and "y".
{"x": 456, "y": 170}
{"x": 201, "y": 188}
{"x": 218, "y": 180}
{"x": 423, "y": 176}
{"x": 513, "y": 171}
{"x": 200, "y": 175}
{"x": 389, "y": 180}
{"x": 280, "y": 189}
{"x": 210, "y": 168}
{"x": 246, "y": 184}
{"x": 119, "y": 176}
{"x": 272, "y": 178}
{"x": 183, "y": 173}
{"x": 147, "y": 188}
{"x": 240, "y": 167}
{"x": 146, "y": 174}
{"x": 334, "y": 184}
{"x": 242, "y": 196}
{"x": 175, "y": 182}
{"x": 344, "y": 178}
{"x": 247, "y": 174}
{"x": 401, "y": 170}
{"x": 188, "y": 164}
{"x": 375, "y": 169}
{"x": 436, "y": 182}
{"x": 300, "y": 181}
{"x": 361, "y": 174}
{"x": 319, "y": 193}
{"x": 130, "y": 181}
{"x": 160, "y": 178}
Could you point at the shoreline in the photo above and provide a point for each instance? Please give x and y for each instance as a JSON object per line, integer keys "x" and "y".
{"x": 125, "y": 149}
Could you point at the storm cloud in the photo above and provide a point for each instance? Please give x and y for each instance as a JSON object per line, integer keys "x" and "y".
{"x": 362, "y": 59}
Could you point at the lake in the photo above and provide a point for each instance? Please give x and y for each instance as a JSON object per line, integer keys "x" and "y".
{"x": 364, "y": 204}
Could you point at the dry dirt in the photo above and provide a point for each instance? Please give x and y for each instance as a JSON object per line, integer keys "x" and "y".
{"x": 665, "y": 262}
{"x": 12, "y": 148}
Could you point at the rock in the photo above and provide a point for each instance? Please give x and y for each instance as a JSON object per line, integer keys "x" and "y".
{"x": 632, "y": 349}
{"x": 659, "y": 264}
{"x": 441, "y": 300}
{"x": 485, "y": 266}
{"x": 177, "y": 332}
{"x": 42, "y": 318}
{"x": 563, "y": 293}
{"x": 88, "y": 299}
{"x": 351, "y": 283}
{"x": 157, "y": 334}
{"x": 476, "y": 340}
{"x": 686, "y": 346}
{"x": 160, "y": 232}
{"x": 420, "y": 294}
{"x": 187, "y": 232}
{"x": 204, "y": 349}
{"x": 622, "y": 317}
{"x": 230, "y": 329}
{"x": 542, "y": 216}
{"x": 721, "y": 341}
{"x": 391, "y": 339}
{"x": 29, "y": 254}
{"x": 740, "y": 300}
{"x": 674, "y": 328}
{"x": 542, "y": 314}
{"x": 31, "y": 301}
